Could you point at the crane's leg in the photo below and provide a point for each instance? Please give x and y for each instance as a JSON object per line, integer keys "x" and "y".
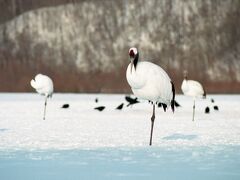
{"x": 45, "y": 104}
{"x": 193, "y": 110}
{"x": 152, "y": 120}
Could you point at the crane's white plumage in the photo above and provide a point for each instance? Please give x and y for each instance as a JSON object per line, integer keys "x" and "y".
{"x": 150, "y": 82}
{"x": 192, "y": 88}
{"x": 44, "y": 86}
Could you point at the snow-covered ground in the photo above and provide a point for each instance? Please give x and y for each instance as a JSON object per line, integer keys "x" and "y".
{"x": 80, "y": 126}
{"x": 113, "y": 144}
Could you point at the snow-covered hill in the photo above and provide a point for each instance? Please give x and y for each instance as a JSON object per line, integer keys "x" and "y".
{"x": 83, "y": 38}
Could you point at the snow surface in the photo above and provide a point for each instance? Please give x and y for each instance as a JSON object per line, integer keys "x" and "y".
{"x": 80, "y": 126}
{"x": 83, "y": 143}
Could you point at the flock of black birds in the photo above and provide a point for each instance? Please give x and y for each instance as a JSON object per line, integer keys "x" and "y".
{"x": 131, "y": 101}
{"x": 215, "y": 107}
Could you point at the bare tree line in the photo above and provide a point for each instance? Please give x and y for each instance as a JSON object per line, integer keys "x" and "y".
{"x": 83, "y": 39}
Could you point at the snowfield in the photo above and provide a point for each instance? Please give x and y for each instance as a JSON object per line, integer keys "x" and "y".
{"x": 83, "y": 143}
{"x": 81, "y": 127}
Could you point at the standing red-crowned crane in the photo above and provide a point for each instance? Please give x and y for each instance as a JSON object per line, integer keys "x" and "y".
{"x": 150, "y": 82}
{"x": 44, "y": 86}
{"x": 192, "y": 88}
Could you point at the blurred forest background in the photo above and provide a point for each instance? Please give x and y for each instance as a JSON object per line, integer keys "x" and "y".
{"x": 83, "y": 44}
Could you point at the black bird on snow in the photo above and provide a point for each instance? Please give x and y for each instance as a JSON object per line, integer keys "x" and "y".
{"x": 100, "y": 108}
{"x": 120, "y": 106}
{"x": 131, "y": 101}
{"x": 65, "y": 106}
{"x": 207, "y": 110}
{"x": 215, "y": 108}
{"x": 176, "y": 104}
{"x": 96, "y": 100}
{"x": 165, "y": 106}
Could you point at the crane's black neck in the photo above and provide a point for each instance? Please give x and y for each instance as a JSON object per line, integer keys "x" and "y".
{"x": 135, "y": 61}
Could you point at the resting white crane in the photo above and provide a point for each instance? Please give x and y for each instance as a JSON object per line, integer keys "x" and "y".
{"x": 44, "y": 86}
{"x": 150, "y": 82}
{"x": 192, "y": 88}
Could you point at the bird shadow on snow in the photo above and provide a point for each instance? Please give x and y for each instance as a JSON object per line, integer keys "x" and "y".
{"x": 3, "y": 129}
{"x": 178, "y": 136}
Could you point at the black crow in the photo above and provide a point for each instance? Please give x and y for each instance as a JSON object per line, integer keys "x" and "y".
{"x": 120, "y": 106}
{"x": 176, "y": 104}
{"x": 131, "y": 101}
{"x": 207, "y": 110}
{"x": 215, "y": 108}
{"x": 100, "y": 108}
{"x": 164, "y": 106}
{"x": 65, "y": 106}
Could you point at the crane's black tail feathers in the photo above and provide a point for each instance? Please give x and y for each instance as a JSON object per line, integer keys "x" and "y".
{"x": 204, "y": 94}
{"x": 173, "y": 98}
